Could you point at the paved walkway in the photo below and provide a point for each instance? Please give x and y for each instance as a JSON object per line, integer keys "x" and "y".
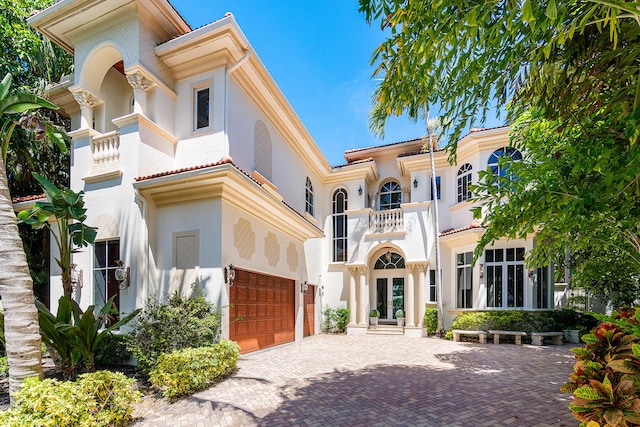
{"x": 385, "y": 381}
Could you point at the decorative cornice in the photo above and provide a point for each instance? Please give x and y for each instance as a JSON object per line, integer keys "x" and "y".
{"x": 85, "y": 98}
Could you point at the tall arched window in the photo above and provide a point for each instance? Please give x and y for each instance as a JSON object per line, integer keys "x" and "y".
{"x": 262, "y": 149}
{"x": 501, "y": 170}
{"x": 308, "y": 197}
{"x": 340, "y": 226}
{"x": 390, "y": 196}
{"x": 464, "y": 181}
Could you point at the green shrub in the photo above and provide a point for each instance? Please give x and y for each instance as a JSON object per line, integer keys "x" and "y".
{"x": 112, "y": 351}
{"x": 512, "y": 320}
{"x": 335, "y": 320}
{"x": 4, "y": 367}
{"x": 431, "y": 320}
{"x": 184, "y": 372}
{"x": 374, "y": 313}
{"x": 180, "y": 323}
{"x": 606, "y": 379}
{"x": 100, "y": 398}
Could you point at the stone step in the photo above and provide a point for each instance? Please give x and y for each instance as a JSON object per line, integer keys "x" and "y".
{"x": 385, "y": 330}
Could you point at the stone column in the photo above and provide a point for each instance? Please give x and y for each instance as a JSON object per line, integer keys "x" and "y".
{"x": 422, "y": 292}
{"x": 362, "y": 302}
{"x": 353, "y": 270}
{"x": 87, "y": 102}
{"x": 140, "y": 85}
{"x": 410, "y": 301}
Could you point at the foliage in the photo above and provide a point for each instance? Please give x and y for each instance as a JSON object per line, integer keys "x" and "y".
{"x": 374, "y": 313}
{"x": 76, "y": 335}
{"x": 335, "y": 320}
{"x": 577, "y": 186}
{"x": 64, "y": 208}
{"x": 399, "y": 313}
{"x": 180, "y": 323}
{"x": 431, "y": 320}
{"x": 606, "y": 378}
{"x": 4, "y": 367}
{"x": 512, "y": 320}
{"x": 112, "y": 351}
{"x": 471, "y": 57}
{"x": 183, "y": 372}
{"x": 97, "y": 399}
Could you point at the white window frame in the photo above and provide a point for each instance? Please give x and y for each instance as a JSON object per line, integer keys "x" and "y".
{"x": 340, "y": 216}
{"x": 517, "y": 264}
{"x": 195, "y": 90}
{"x": 465, "y": 176}
{"x": 397, "y": 189}
{"x": 438, "y": 187}
{"x": 308, "y": 196}
{"x": 465, "y": 268}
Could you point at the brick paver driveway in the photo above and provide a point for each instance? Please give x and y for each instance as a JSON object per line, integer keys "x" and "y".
{"x": 385, "y": 381}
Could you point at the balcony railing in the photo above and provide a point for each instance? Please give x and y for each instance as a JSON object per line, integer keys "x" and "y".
{"x": 106, "y": 151}
{"x": 386, "y": 221}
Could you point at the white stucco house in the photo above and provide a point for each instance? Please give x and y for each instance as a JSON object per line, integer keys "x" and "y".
{"x": 198, "y": 172}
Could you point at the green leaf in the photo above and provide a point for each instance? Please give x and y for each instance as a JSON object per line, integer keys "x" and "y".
{"x": 587, "y": 393}
{"x": 590, "y": 338}
{"x": 527, "y": 12}
{"x": 551, "y": 12}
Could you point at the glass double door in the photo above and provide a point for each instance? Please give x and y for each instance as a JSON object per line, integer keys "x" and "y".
{"x": 389, "y": 296}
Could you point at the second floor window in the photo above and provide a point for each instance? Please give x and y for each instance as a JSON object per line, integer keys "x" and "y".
{"x": 339, "y": 226}
{"x": 309, "y": 197}
{"x": 201, "y": 108}
{"x": 438, "y": 187}
{"x": 500, "y": 168}
{"x": 464, "y": 181}
{"x": 390, "y": 196}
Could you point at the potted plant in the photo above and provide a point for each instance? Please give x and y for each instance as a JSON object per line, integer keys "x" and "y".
{"x": 400, "y": 317}
{"x": 373, "y": 317}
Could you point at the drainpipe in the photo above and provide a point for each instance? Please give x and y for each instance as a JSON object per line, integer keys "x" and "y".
{"x": 228, "y": 73}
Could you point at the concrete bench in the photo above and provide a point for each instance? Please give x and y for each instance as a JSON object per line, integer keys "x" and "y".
{"x": 482, "y": 335}
{"x": 517, "y": 334}
{"x": 538, "y": 337}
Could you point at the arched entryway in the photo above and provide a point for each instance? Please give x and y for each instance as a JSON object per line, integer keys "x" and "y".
{"x": 389, "y": 291}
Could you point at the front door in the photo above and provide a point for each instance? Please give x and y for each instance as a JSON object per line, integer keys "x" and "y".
{"x": 389, "y": 296}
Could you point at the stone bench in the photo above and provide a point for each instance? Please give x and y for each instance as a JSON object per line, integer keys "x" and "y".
{"x": 517, "y": 334}
{"x": 538, "y": 337}
{"x": 482, "y": 335}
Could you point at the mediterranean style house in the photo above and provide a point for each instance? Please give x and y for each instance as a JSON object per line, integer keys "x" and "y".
{"x": 198, "y": 174}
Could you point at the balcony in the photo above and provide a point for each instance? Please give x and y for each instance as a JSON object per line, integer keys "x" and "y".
{"x": 105, "y": 154}
{"x": 387, "y": 221}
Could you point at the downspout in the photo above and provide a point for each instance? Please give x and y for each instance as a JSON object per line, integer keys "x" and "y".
{"x": 145, "y": 244}
{"x": 228, "y": 73}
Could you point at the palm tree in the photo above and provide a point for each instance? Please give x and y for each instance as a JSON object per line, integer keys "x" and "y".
{"x": 21, "y": 330}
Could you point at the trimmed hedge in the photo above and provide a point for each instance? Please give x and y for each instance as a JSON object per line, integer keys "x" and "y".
{"x": 510, "y": 320}
{"x": 100, "y": 398}
{"x": 431, "y": 320}
{"x": 184, "y": 372}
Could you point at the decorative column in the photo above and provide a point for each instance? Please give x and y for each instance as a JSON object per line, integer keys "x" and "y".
{"x": 410, "y": 302}
{"x": 87, "y": 102}
{"x": 362, "y": 302}
{"x": 140, "y": 85}
{"x": 422, "y": 292}
{"x": 353, "y": 270}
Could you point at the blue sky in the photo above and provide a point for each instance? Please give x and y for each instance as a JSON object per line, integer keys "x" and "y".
{"x": 318, "y": 52}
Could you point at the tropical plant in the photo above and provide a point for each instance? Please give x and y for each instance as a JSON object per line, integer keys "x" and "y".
{"x": 179, "y": 323}
{"x": 16, "y": 287}
{"x": 76, "y": 335}
{"x": 335, "y": 320}
{"x": 64, "y": 208}
{"x": 606, "y": 378}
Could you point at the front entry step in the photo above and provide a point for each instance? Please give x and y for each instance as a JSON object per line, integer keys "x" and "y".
{"x": 385, "y": 330}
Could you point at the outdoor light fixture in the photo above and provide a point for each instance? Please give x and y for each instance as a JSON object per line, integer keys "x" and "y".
{"x": 122, "y": 275}
{"x": 481, "y": 271}
{"x": 76, "y": 276}
{"x": 415, "y": 182}
{"x": 532, "y": 273}
{"x": 360, "y": 191}
{"x": 304, "y": 287}
{"x": 387, "y": 256}
{"x": 229, "y": 275}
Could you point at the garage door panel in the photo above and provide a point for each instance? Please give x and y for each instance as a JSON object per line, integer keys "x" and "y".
{"x": 266, "y": 306}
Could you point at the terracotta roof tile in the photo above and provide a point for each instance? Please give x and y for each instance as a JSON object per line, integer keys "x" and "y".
{"x": 449, "y": 231}
{"x": 355, "y": 150}
{"x": 28, "y": 198}
{"x": 355, "y": 162}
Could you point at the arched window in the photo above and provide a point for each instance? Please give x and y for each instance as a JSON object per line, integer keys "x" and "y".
{"x": 389, "y": 260}
{"x": 464, "y": 180}
{"x": 390, "y": 196}
{"x": 340, "y": 225}
{"x": 262, "y": 149}
{"x": 309, "y": 197}
{"x": 502, "y": 170}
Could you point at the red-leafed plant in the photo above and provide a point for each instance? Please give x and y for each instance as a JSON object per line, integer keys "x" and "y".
{"x": 606, "y": 378}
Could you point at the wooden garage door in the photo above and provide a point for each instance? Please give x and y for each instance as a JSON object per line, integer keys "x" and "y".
{"x": 309, "y": 312}
{"x": 262, "y": 311}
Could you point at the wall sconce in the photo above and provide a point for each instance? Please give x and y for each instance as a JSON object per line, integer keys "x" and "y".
{"x": 122, "y": 275}
{"x": 304, "y": 287}
{"x": 229, "y": 275}
{"x": 76, "y": 276}
{"x": 532, "y": 273}
{"x": 360, "y": 191}
{"x": 481, "y": 271}
{"x": 415, "y": 182}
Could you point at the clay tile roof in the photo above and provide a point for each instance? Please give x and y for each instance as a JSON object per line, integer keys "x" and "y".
{"x": 28, "y": 198}
{"x": 354, "y": 162}
{"x": 355, "y": 150}
{"x": 449, "y": 231}
{"x": 222, "y": 161}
